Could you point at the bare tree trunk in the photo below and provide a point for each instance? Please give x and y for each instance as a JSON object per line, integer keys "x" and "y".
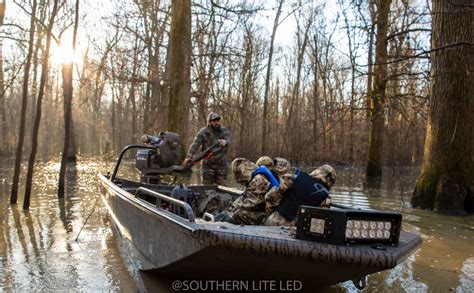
{"x": 245, "y": 79}
{"x": 72, "y": 146}
{"x": 446, "y": 183}
{"x": 113, "y": 114}
{"x": 67, "y": 71}
{"x": 132, "y": 94}
{"x": 352, "y": 57}
{"x": 370, "y": 59}
{"x": 315, "y": 93}
{"x": 377, "y": 129}
{"x": 292, "y": 140}
{"x": 178, "y": 66}
{"x": 5, "y": 145}
{"x": 41, "y": 17}
{"x": 24, "y": 102}
{"x": 264, "y": 149}
{"x": 44, "y": 74}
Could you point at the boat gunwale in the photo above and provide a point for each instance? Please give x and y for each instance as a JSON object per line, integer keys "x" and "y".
{"x": 144, "y": 205}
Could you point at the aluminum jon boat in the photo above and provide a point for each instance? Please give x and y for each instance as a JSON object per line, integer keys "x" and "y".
{"x": 180, "y": 243}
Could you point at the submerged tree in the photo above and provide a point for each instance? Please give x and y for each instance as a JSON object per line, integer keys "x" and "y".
{"x": 4, "y": 147}
{"x": 34, "y": 141}
{"x": 377, "y": 119}
{"x": 66, "y": 71}
{"x": 446, "y": 183}
{"x": 24, "y": 102}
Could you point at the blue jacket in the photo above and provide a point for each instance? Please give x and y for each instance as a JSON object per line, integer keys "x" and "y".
{"x": 274, "y": 181}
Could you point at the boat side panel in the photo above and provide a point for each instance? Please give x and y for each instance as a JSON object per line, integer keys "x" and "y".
{"x": 372, "y": 260}
{"x": 225, "y": 263}
{"x": 160, "y": 240}
{"x": 229, "y": 255}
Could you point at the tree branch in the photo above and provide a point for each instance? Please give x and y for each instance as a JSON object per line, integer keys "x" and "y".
{"x": 424, "y": 52}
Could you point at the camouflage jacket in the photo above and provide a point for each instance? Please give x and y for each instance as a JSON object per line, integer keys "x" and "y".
{"x": 206, "y": 137}
{"x": 253, "y": 198}
{"x": 274, "y": 195}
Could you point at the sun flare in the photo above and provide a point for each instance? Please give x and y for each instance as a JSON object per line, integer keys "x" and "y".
{"x": 64, "y": 53}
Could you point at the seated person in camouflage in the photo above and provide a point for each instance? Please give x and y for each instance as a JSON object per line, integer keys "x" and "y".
{"x": 278, "y": 166}
{"x": 281, "y": 166}
{"x": 298, "y": 188}
{"x": 249, "y": 208}
{"x": 214, "y": 169}
{"x": 266, "y": 163}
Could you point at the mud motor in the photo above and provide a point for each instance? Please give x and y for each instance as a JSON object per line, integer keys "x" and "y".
{"x": 161, "y": 158}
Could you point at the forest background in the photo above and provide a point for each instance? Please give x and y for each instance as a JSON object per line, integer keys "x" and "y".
{"x": 343, "y": 81}
{"x": 314, "y": 101}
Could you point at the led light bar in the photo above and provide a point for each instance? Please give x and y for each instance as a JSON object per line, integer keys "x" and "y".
{"x": 345, "y": 226}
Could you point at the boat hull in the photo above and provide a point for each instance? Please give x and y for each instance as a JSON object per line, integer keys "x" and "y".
{"x": 171, "y": 244}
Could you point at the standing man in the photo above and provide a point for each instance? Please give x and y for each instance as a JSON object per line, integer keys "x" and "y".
{"x": 214, "y": 169}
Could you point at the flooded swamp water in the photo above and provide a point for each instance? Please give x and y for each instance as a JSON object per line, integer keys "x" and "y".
{"x": 68, "y": 244}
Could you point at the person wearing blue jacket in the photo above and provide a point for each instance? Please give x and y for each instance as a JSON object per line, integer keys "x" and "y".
{"x": 249, "y": 207}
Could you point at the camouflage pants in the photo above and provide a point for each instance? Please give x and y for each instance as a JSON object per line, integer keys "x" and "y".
{"x": 211, "y": 201}
{"x": 242, "y": 217}
{"x": 214, "y": 172}
{"x": 275, "y": 219}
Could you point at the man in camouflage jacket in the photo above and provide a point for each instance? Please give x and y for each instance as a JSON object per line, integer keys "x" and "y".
{"x": 214, "y": 169}
{"x": 248, "y": 208}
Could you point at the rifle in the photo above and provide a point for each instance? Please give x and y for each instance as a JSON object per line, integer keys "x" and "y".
{"x": 204, "y": 155}
{"x": 207, "y": 153}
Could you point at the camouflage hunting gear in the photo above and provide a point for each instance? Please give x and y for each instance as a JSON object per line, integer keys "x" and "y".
{"x": 275, "y": 219}
{"x": 249, "y": 208}
{"x": 281, "y": 166}
{"x": 242, "y": 170}
{"x": 253, "y": 197}
{"x": 265, "y": 161}
{"x": 214, "y": 168}
{"x": 274, "y": 195}
{"x": 213, "y": 116}
{"x": 326, "y": 174}
{"x": 211, "y": 201}
{"x": 214, "y": 173}
{"x": 244, "y": 217}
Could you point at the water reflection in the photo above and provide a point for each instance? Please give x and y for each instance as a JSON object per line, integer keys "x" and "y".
{"x": 466, "y": 277}
{"x": 39, "y": 251}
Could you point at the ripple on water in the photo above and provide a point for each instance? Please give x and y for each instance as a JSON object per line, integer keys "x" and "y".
{"x": 466, "y": 277}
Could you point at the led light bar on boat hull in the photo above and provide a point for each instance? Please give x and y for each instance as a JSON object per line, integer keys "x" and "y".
{"x": 348, "y": 226}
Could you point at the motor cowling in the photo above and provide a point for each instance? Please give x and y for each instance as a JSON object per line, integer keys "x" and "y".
{"x": 166, "y": 153}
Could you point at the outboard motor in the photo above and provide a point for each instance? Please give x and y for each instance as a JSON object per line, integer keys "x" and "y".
{"x": 153, "y": 162}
